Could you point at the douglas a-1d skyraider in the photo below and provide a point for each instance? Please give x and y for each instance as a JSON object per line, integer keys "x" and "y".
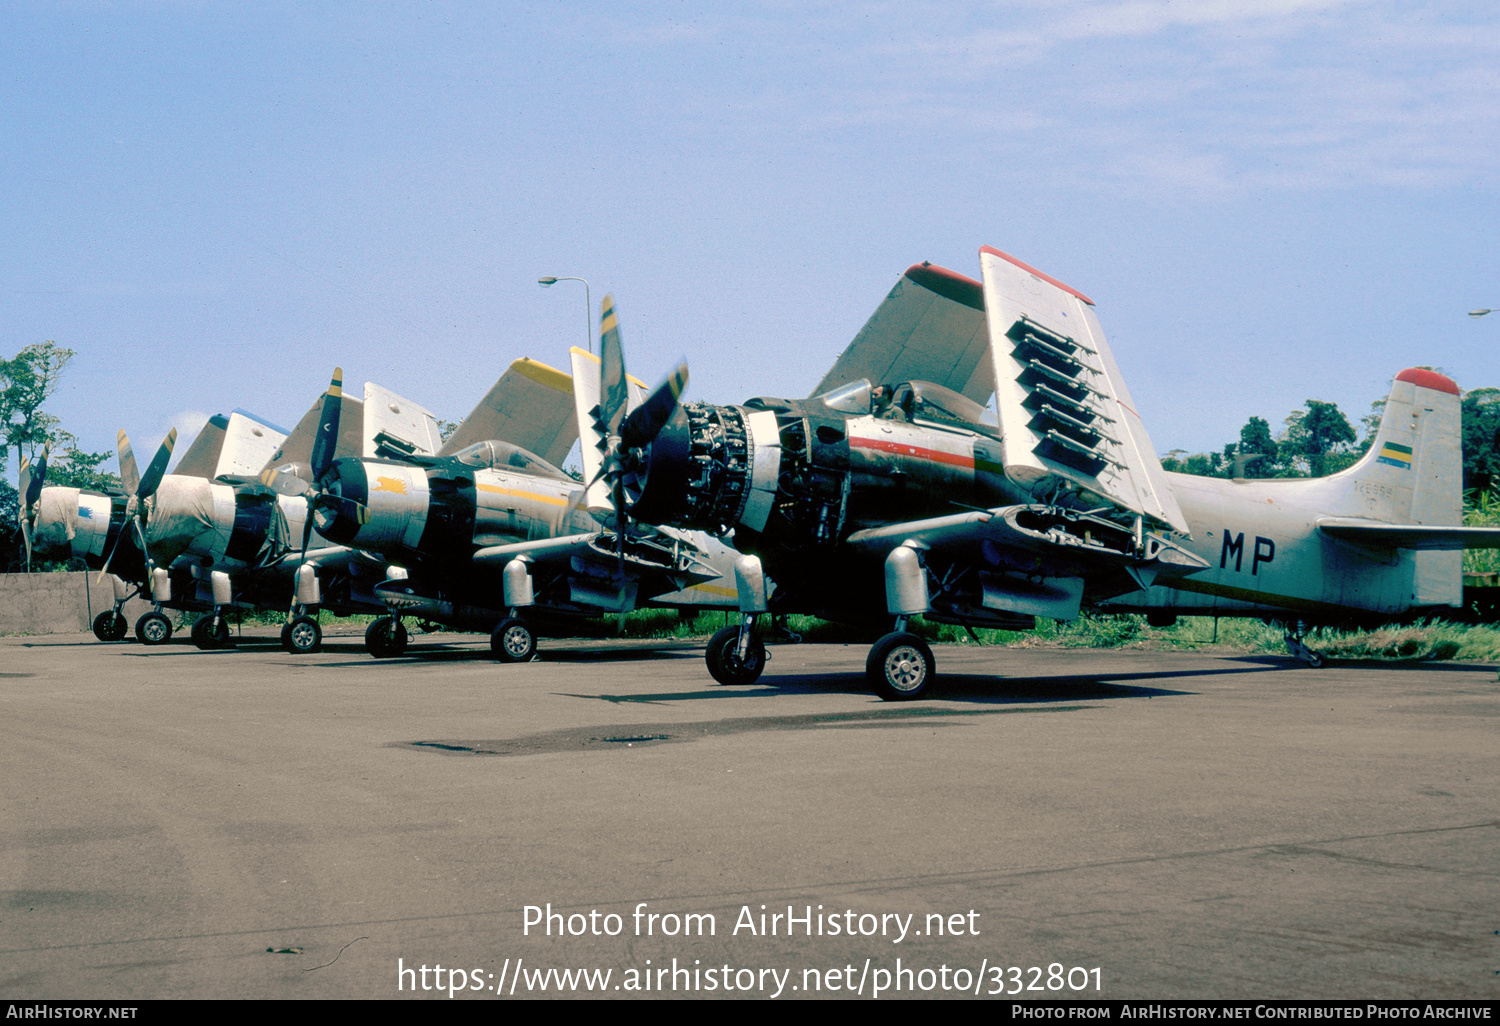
{"x": 494, "y": 537}
{"x": 893, "y": 492}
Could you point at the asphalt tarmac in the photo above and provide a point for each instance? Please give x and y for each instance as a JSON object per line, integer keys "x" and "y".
{"x": 250, "y": 824}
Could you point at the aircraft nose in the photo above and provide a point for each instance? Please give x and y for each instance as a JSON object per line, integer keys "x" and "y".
{"x": 339, "y": 510}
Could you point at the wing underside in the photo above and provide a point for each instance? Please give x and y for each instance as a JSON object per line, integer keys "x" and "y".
{"x": 530, "y": 406}
{"x": 1066, "y": 418}
{"x": 930, "y": 327}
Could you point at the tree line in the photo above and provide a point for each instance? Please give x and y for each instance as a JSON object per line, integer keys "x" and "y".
{"x": 1318, "y": 440}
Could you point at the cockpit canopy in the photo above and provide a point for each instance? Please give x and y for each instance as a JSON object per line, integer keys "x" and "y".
{"x": 907, "y": 400}
{"x": 498, "y": 455}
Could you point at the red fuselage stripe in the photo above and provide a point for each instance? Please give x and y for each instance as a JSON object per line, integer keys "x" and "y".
{"x": 915, "y": 451}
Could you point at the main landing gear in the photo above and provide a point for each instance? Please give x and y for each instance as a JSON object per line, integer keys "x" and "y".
{"x": 728, "y": 663}
{"x": 900, "y": 666}
{"x": 211, "y": 632}
{"x": 385, "y": 638}
{"x": 153, "y": 629}
{"x": 110, "y": 626}
{"x": 513, "y": 641}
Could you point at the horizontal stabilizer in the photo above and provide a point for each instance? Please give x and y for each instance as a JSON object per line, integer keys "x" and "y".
{"x": 1421, "y": 537}
{"x": 530, "y": 406}
{"x": 930, "y": 327}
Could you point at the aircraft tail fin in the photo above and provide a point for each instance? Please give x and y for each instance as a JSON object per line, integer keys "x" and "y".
{"x": 1413, "y": 473}
{"x": 1413, "y": 476}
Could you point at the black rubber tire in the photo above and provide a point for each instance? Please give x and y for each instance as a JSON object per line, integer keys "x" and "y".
{"x": 726, "y": 667}
{"x": 110, "y": 626}
{"x": 302, "y": 636}
{"x": 211, "y": 632}
{"x": 153, "y": 629}
{"x": 900, "y": 667}
{"x": 382, "y": 642}
{"x": 1316, "y": 660}
{"x": 513, "y": 641}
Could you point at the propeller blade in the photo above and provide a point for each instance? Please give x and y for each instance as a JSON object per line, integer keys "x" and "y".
{"x": 615, "y": 394}
{"x": 325, "y": 445}
{"x": 158, "y": 467}
{"x": 651, "y": 416}
{"x": 284, "y": 483}
{"x": 111, "y": 557}
{"x": 23, "y": 486}
{"x": 26, "y": 537}
{"x": 33, "y": 491}
{"x": 140, "y": 537}
{"x": 130, "y": 477}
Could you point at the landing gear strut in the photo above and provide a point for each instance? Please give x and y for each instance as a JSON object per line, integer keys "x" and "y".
{"x": 211, "y": 632}
{"x": 1294, "y": 644}
{"x": 110, "y": 626}
{"x": 729, "y": 661}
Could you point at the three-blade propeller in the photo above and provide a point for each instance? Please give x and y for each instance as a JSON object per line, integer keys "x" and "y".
{"x": 321, "y": 503}
{"x": 626, "y": 431}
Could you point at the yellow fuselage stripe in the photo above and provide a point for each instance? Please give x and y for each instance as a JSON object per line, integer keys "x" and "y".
{"x": 497, "y": 490}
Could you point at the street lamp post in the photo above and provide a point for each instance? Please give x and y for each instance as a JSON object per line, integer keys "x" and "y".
{"x": 547, "y": 281}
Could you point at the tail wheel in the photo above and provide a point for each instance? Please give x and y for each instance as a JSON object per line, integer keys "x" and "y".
{"x": 900, "y": 667}
{"x": 153, "y": 629}
{"x": 724, "y": 663}
{"x": 385, "y": 638}
{"x": 110, "y": 626}
{"x": 513, "y": 641}
{"x": 302, "y": 636}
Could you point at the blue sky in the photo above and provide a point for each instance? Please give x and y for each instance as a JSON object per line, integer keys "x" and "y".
{"x": 214, "y": 204}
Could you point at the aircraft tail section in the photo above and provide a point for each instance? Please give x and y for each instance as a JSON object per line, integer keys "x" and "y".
{"x": 1413, "y": 473}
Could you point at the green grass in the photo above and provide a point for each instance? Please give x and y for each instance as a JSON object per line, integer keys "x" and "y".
{"x": 1429, "y": 640}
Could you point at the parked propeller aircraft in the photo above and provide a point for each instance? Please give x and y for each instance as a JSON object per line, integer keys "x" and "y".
{"x": 204, "y": 538}
{"x": 494, "y": 537}
{"x": 870, "y": 501}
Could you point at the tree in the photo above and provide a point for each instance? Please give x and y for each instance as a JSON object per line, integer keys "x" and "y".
{"x": 26, "y": 382}
{"x": 1481, "y": 439}
{"x": 1321, "y": 435}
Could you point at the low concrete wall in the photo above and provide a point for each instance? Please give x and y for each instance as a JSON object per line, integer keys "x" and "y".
{"x": 58, "y": 603}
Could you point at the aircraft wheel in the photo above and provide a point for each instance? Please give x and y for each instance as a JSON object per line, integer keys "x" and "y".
{"x": 211, "y": 632}
{"x": 513, "y": 641}
{"x": 153, "y": 629}
{"x": 900, "y": 667}
{"x": 302, "y": 636}
{"x": 110, "y": 626}
{"x": 728, "y": 668}
{"x": 1315, "y": 660}
{"x": 385, "y": 638}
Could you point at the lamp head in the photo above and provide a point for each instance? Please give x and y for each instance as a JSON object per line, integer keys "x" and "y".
{"x": 548, "y": 280}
